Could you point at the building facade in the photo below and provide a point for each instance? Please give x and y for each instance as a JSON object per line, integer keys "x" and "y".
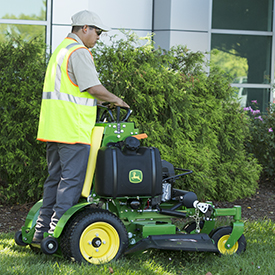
{"x": 238, "y": 35}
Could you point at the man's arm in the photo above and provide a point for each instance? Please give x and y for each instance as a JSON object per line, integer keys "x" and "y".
{"x": 102, "y": 94}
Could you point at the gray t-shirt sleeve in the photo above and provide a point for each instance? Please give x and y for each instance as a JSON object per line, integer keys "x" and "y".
{"x": 81, "y": 69}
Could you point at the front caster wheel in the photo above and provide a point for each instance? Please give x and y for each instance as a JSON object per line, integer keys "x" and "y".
{"x": 220, "y": 237}
{"x": 18, "y": 238}
{"x": 49, "y": 245}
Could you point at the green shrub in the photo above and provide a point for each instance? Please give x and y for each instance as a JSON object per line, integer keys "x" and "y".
{"x": 191, "y": 116}
{"x": 22, "y": 158}
{"x": 261, "y": 142}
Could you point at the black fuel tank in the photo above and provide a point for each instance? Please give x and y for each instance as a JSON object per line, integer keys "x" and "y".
{"x": 130, "y": 173}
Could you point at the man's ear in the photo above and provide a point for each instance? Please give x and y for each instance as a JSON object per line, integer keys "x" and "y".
{"x": 84, "y": 29}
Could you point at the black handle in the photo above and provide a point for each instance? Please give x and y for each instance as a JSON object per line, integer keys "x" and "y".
{"x": 109, "y": 111}
{"x": 179, "y": 175}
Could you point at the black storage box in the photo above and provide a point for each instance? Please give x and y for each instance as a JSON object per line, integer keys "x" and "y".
{"x": 122, "y": 173}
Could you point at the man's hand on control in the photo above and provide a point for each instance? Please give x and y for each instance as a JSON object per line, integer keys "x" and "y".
{"x": 102, "y": 94}
{"x": 120, "y": 103}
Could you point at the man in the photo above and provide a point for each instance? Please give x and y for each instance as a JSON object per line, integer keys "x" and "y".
{"x": 68, "y": 113}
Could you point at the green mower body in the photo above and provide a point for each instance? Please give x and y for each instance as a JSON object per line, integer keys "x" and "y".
{"x": 129, "y": 204}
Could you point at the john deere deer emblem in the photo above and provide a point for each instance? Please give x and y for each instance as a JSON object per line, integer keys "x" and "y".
{"x": 135, "y": 176}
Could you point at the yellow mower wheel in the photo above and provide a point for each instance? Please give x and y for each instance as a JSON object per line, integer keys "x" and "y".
{"x": 221, "y": 246}
{"x": 95, "y": 236}
{"x": 220, "y": 237}
{"x": 99, "y": 243}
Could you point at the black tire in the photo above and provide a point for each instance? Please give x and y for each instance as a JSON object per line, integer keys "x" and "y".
{"x": 64, "y": 238}
{"x": 94, "y": 236}
{"x": 189, "y": 227}
{"x": 221, "y": 235}
{"x": 18, "y": 239}
{"x": 49, "y": 245}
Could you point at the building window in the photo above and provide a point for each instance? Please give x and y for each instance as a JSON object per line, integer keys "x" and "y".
{"x": 241, "y": 44}
{"x": 24, "y": 10}
{"x": 252, "y": 15}
{"x": 27, "y": 32}
{"x": 27, "y": 19}
{"x": 246, "y": 95}
{"x": 243, "y": 56}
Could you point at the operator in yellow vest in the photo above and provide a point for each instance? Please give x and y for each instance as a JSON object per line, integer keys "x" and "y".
{"x": 67, "y": 117}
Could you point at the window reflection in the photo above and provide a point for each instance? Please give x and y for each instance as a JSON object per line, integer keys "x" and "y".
{"x": 24, "y": 10}
{"x": 242, "y": 15}
{"x": 242, "y": 95}
{"x": 246, "y": 97}
{"x": 243, "y": 56}
{"x": 27, "y": 32}
{"x": 232, "y": 63}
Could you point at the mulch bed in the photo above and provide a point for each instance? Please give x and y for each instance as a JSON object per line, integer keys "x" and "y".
{"x": 257, "y": 207}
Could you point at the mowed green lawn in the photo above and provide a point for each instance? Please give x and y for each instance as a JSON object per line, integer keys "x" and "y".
{"x": 259, "y": 258}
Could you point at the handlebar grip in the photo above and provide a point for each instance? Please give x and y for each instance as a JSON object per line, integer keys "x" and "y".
{"x": 118, "y": 119}
{"x": 117, "y": 114}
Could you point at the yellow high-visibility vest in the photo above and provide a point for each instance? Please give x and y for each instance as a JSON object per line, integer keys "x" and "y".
{"x": 67, "y": 115}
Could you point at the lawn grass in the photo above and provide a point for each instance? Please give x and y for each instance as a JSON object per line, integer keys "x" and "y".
{"x": 259, "y": 258}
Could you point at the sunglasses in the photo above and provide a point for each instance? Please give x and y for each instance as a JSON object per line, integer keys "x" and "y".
{"x": 97, "y": 30}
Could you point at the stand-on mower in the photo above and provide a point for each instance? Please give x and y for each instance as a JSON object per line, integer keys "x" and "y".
{"x": 129, "y": 204}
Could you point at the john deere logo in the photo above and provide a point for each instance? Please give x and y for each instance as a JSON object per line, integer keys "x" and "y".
{"x": 135, "y": 176}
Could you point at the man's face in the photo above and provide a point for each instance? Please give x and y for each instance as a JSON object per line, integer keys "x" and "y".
{"x": 91, "y": 36}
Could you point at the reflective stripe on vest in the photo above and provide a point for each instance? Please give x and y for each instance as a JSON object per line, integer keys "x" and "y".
{"x": 60, "y": 58}
{"x": 56, "y": 95}
{"x": 70, "y": 98}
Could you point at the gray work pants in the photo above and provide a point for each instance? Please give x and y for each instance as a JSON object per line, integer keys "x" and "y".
{"x": 67, "y": 165}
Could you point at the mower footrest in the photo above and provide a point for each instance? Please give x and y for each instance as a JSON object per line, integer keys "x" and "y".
{"x": 185, "y": 242}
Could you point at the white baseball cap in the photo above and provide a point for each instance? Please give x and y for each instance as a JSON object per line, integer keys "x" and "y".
{"x": 88, "y": 18}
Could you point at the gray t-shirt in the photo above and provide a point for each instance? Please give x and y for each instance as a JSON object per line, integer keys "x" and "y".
{"x": 81, "y": 67}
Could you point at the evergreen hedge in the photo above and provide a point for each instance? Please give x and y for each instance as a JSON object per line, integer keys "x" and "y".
{"x": 22, "y": 158}
{"x": 190, "y": 115}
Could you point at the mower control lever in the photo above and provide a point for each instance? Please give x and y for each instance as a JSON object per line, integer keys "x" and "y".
{"x": 179, "y": 175}
{"x": 108, "y": 114}
{"x": 129, "y": 111}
